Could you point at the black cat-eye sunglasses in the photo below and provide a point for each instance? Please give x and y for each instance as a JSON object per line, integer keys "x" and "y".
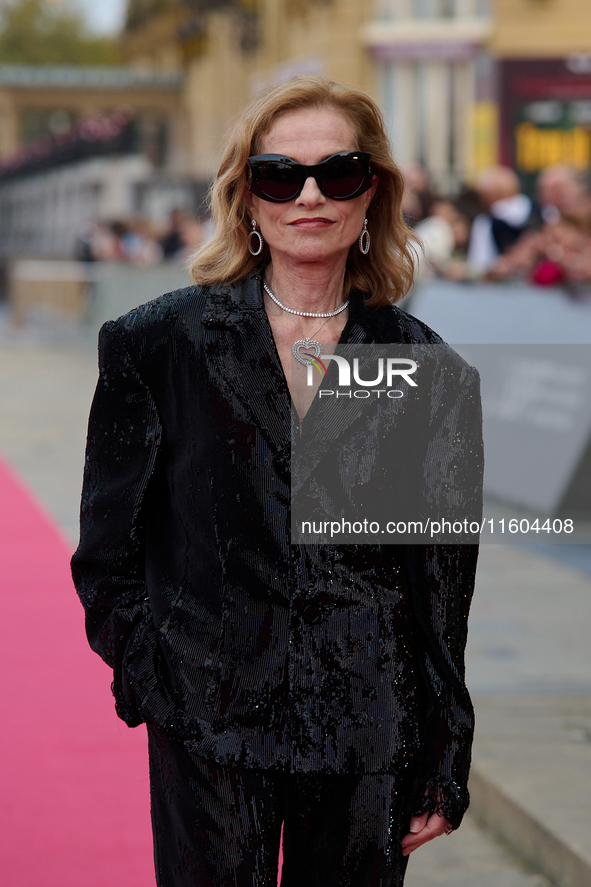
{"x": 341, "y": 176}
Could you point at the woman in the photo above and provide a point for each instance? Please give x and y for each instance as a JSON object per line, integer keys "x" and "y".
{"x": 314, "y": 690}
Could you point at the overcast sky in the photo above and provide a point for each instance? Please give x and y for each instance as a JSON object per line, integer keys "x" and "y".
{"x": 105, "y": 16}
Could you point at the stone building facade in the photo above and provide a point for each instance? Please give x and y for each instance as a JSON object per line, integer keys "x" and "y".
{"x": 40, "y": 100}
{"x": 228, "y": 49}
{"x": 462, "y": 83}
{"x": 435, "y": 66}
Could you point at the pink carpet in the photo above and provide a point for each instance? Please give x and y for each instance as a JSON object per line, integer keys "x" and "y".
{"x": 74, "y": 793}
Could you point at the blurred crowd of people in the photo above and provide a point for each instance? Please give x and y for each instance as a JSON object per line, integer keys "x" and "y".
{"x": 492, "y": 231}
{"x": 138, "y": 241}
{"x": 495, "y": 232}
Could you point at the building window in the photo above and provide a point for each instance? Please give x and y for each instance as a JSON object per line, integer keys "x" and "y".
{"x": 36, "y": 124}
{"x": 152, "y": 133}
{"x": 446, "y": 9}
{"x": 434, "y": 9}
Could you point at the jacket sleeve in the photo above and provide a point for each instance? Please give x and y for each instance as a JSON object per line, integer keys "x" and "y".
{"x": 442, "y": 578}
{"x": 445, "y": 574}
{"x": 124, "y": 436}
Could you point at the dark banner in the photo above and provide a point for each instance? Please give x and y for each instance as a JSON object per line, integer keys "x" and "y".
{"x": 545, "y": 115}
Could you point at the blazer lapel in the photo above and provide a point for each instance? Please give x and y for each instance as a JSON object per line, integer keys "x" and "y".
{"x": 240, "y": 351}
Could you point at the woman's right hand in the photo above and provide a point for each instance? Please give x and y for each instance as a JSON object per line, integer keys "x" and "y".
{"x": 423, "y": 829}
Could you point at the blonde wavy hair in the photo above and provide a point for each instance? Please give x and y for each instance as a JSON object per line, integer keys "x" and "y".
{"x": 386, "y": 274}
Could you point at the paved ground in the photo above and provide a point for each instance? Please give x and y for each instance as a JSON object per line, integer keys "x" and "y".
{"x": 529, "y": 658}
{"x": 46, "y": 386}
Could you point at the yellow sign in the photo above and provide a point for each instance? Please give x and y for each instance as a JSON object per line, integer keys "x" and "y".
{"x": 537, "y": 148}
{"x": 485, "y": 117}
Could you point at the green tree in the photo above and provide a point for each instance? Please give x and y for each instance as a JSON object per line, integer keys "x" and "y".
{"x": 37, "y": 32}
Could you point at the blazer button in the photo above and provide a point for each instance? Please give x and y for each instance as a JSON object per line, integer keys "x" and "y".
{"x": 311, "y": 614}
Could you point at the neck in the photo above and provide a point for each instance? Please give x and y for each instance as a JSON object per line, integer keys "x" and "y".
{"x": 310, "y": 287}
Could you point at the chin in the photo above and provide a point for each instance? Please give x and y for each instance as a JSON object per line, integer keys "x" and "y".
{"x": 318, "y": 252}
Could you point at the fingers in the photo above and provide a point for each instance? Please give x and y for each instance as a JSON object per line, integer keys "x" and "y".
{"x": 418, "y": 823}
{"x": 423, "y": 829}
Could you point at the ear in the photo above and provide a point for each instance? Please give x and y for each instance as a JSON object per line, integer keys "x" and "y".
{"x": 248, "y": 200}
{"x": 371, "y": 191}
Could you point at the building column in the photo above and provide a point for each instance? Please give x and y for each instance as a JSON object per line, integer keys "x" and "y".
{"x": 463, "y": 123}
{"x": 9, "y": 127}
{"x": 399, "y": 109}
{"x": 436, "y": 119}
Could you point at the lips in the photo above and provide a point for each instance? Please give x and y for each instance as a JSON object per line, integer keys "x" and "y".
{"x": 316, "y": 222}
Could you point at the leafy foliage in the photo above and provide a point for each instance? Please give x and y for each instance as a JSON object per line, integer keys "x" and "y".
{"x": 37, "y": 32}
{"x": 141, "y": 11}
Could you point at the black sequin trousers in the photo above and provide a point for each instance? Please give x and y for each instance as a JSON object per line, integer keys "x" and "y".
{"x": 220, "y": 826}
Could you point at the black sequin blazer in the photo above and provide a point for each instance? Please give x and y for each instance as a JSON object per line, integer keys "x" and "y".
{"x": 251, "y": 649}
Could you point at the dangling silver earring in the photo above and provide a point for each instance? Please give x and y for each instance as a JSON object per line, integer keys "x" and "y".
{"x": 255, "y": 235}
{"x": 364, "y": 239}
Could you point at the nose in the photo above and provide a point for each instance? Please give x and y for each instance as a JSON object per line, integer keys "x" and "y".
{"x": 311, "y": 194}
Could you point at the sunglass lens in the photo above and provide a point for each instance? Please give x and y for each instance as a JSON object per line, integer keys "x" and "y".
{"x": 277, "y": 180}
{"x": 342, "y": 177}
